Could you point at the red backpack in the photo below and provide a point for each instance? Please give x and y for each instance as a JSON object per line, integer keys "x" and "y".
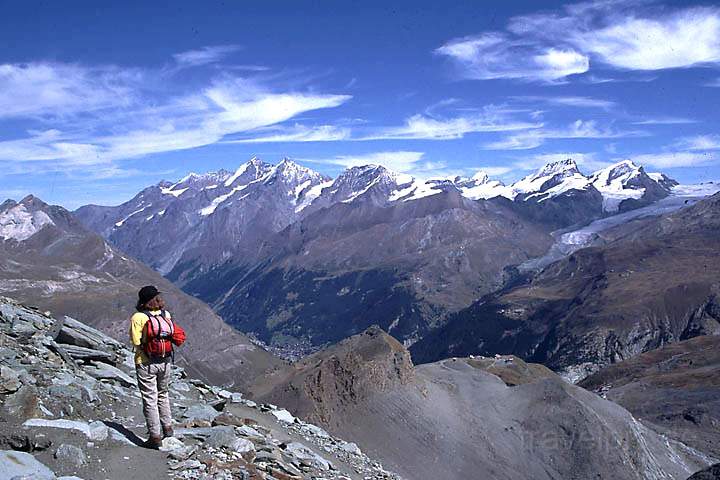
{"x": 159, "y": 334}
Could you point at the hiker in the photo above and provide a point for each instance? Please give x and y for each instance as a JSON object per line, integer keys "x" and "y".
{"x": 153, "y": 334}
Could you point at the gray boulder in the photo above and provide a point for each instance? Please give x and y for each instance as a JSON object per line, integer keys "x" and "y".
{"x": 201, "y": 412}
{"x": 70, "y": 455}
{"x": 307, "y": 456}
{"x": 225, "y": 437}
{"x": 9, "y": 380}
{"x": 23, "y": 465}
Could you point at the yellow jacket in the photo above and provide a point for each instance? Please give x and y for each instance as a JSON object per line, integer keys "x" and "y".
{"x": 137, "y": 324}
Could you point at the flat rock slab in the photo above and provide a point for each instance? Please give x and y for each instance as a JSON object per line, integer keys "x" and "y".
{"x": 95, "y": 431}
{"x": 20, "y": 464}
{"x": 103, "y": 371}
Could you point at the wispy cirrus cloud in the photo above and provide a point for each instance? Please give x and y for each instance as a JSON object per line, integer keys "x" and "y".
{"x": 496, "y": 55}
{"x": 677, "y": 159}
{"x": 205, "y": 55}
{"x": 296, "y": 133}
{"x": 699, "y": 142}
{"x": 424, "y": 127}
{"x": 527, "y": 140}
{"x": 664, "y": 121}
{"x": 99, "y": 115}
{"x": 567, "y": 101}
{"x": 549, "y": 47}
{"x": 40, "y": 89}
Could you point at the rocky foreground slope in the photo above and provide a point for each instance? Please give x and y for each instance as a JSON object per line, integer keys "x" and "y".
{"x": 47, "y": 258}
{"x": 69, "y": 409}
{"x": 463, "y": 418}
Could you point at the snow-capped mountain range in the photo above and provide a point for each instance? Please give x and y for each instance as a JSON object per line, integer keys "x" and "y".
{"x": 213, "y": 214}
{"x": 422, "y": 245}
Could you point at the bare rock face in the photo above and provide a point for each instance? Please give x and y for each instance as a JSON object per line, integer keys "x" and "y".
{"x": 51, "y": 260}
{"x": 500, "y": 417}
{"x": 345, "y": 374}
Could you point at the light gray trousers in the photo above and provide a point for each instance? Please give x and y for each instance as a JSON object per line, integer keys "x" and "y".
{"x": 153, "y": 379}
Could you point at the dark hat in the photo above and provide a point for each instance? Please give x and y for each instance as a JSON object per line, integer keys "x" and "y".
{"x": 147, "y": 293}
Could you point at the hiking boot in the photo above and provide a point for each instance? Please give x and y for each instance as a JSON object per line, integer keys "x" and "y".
{"x": 153, "y": 442}
{"x": 167, "y": 432}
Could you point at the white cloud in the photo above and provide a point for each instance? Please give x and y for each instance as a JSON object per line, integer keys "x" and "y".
{"x": 625, "y": 35}
{"x": 699, "y": 142}
{"x": 55, "y": 89}
{"x": 676, "y": 159}
{"x": 578, "y": 129}
{"x": 432, "y": 128}
{"x": 569, "y": 101}
{"x": 680, "y": 39}
{"x": 665, "y": 121}
{"x": 298, "y": 133}
{"x": 714, "y": 83}
{"x": 117, "y": 122}
{"x": 496, "y": 55}
{"x": 520, "y": 141}
{"x": 205, "y": 55}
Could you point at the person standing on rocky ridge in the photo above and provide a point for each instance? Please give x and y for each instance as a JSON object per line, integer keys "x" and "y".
{"x": 153, "y": 334}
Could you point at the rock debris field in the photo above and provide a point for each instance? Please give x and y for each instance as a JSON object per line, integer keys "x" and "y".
{"x": 69, "y": 409}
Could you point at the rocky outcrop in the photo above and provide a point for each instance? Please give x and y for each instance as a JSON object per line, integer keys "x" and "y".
{"x": 320, "y": 385}
{"x": 60, "y": 420}
{"x": 498, "y": 415}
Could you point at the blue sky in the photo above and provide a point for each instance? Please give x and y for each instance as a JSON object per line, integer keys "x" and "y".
{"x": 98, "y": 101}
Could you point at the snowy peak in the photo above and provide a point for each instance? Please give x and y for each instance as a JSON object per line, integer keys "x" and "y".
{"x": 250, "y": 171}
{"x": 619, "y": 173}
{"x": 291, "y": 173}
{"x": 368, "y": 181}
{"x": 20, "y": 221}
{"x": 566, "y": 167}
{"x": 480, "y": 177}
{"x": 553, "y": 179}
{"x": 481, "y": 187}
{"x": 627, "y": 182}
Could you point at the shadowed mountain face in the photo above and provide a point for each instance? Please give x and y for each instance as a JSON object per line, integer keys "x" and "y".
{"x": 675, "y": 388}
{"x": 341, "y": 269}
{"x": 418, "y": 418}
{"x": 50, "y": 260}
{"x": 292, "y": 256}
{"x": 653, "y": 282}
